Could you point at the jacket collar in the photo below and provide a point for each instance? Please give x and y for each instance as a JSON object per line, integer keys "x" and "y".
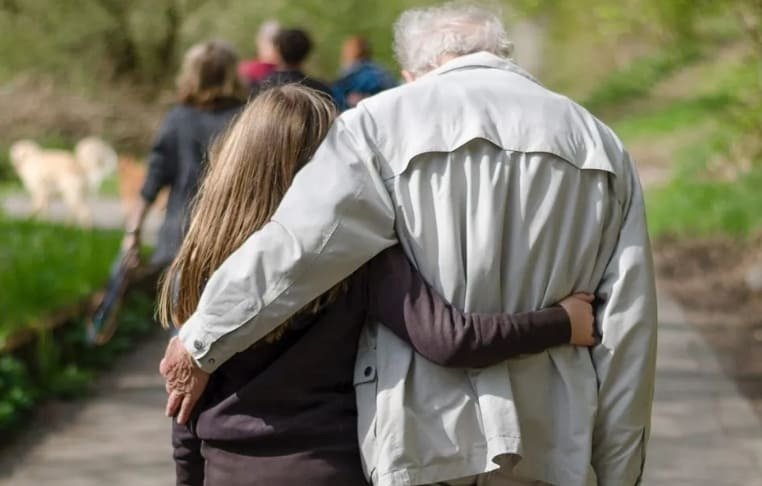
{"x": 481, "y": 59}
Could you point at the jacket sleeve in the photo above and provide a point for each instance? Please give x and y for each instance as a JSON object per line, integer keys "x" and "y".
{"x": 161, "y": 160}
{"x": 401, "y": 300}
{"x": 625, "y": 359}
{"x": 189, "y": 463}
{"x": 336, "y": 216}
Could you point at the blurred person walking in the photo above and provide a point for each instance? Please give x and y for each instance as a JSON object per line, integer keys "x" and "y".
{"x": 360, "y": 76}
{"x": 507, "y": 196}
{"x": 209, "y": 94}
{"x": 254, "y": 70}
{"x": 293, "y": 45}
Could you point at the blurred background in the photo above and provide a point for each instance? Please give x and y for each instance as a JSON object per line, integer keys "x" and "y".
{"x": 679, "y": 80}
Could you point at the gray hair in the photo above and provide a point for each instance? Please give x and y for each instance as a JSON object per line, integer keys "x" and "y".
{"x": 424, "y": 37}
{"x": 268, "y": 30}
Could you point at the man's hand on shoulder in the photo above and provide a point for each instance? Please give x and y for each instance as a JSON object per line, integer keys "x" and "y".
{"x": 185, "y": 381}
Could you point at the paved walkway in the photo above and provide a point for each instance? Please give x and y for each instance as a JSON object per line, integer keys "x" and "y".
{"x": 106, "y": 212}
{"x": 119, "y": 437}
{"x": 704, "y": 432}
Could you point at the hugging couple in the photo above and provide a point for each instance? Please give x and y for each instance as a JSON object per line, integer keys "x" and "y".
{"x": 449, "y": 284}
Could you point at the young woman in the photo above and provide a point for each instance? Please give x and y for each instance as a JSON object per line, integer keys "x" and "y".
{"x": 209, "y": 94}
{"x": 283, "y": 412}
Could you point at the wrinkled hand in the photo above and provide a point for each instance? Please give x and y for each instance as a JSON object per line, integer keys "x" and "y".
{"x": 185, "y": 381}
{"x": 579, "y": 307}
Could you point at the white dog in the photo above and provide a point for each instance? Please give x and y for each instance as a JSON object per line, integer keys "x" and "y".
{"x": 46, "y": 173}
{"x": 97, "y": 158}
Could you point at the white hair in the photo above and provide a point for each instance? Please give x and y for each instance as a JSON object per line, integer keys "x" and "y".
{"x": 268, "y": 30}
{"x": 425, "y": 37}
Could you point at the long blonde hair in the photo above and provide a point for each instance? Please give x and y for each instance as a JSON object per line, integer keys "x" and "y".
{"x": 250, "y": 168}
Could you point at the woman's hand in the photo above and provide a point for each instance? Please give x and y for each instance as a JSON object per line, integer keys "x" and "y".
{"x": 131, "y": 249}
{"x": 580, "y": 309}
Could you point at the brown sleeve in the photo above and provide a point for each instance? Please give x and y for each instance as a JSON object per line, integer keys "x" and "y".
{"x": 401, "y": 300}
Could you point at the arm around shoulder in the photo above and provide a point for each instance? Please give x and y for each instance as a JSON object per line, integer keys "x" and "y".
{"x": 335, "y": 216}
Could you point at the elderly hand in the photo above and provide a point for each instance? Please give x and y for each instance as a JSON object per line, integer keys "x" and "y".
{"x": 185, "y": 381}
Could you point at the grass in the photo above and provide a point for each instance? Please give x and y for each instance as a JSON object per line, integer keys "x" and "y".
{"x": 689, "y": 207}
{"x": 44, "y": 267}
{"x": 697, "y": 125}
{"x": 675, "y": 115}
{"x": 638, "y": 78}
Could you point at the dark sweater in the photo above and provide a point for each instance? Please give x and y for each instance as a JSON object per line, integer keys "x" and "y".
{"x": 284, "y": 413}
{"x": 176, "y": 160}
{"x": 280, "y": 77}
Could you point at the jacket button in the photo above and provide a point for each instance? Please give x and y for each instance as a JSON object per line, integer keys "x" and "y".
{"x": 211, "y": 361}
{"x": 368, "y": 371}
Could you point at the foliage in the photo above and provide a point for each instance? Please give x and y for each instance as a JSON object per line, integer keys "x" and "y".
{"x": 45, "y": 266}
{"x": 63, "y": 365}
{"x": 672, "y": 116}
{"x": 141, "y": 40}
{"x": 131, "y": 39}
{"x": 694, "y": 206}
{"x": 705, "y": 127}
{"x": 17, "y": 393}
{"x": 638, "y": 77}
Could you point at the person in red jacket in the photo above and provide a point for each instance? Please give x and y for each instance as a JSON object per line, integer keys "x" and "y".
{"x": 256, "y": 69}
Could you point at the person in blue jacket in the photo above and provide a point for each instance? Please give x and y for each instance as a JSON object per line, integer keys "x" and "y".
{"x": 360, "y": 76}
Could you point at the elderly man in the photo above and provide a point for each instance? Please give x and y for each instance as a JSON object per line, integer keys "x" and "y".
{"x": 508, "y": 197}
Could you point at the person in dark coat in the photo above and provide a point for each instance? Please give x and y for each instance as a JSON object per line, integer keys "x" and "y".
{"x": 209, "y": 95}
{"x": 283, "y": 411}
{"x": 293, "y": 45}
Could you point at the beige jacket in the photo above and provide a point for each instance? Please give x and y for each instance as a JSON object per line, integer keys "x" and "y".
{"x": 507, "y": 197}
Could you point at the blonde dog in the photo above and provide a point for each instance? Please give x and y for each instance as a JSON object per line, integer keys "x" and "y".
{"x": 97, "y": 158}
{"x": 47, "y": 173}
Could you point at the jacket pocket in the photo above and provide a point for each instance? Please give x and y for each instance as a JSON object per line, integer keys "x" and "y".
{"x": 366, "y": 387}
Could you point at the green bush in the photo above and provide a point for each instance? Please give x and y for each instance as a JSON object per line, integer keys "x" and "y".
{"x": 44, "y": 267}
{"x": 6, "y": 170}
{"x": 63, "y": 364}
{"x": 17, "y": 392}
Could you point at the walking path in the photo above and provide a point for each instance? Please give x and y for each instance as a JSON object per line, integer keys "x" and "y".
{"x": 119, "y": 437}
{"x": 106, "y": 212}
{"x": 704, "y": 432}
